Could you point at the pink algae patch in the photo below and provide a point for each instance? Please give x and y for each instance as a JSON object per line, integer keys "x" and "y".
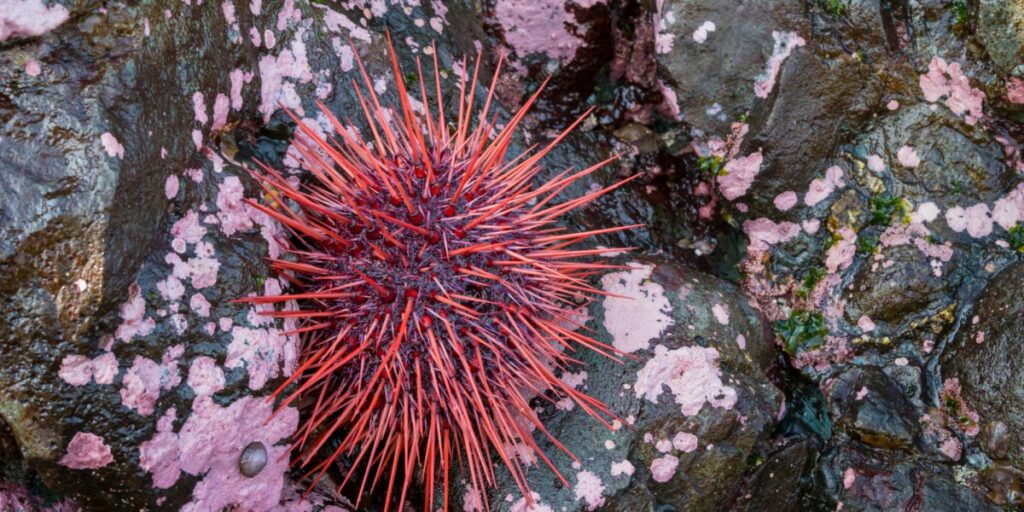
{"x": 849, "y": 477}
{"x": 841, "y": 254}
{"x": 907, "y": 157}
{"x": 786, "y": 200}
{"x": 692, "y": 376}
{"x": 865, "y": 324}
{"x": 79, "y": 370}
{"x": 739, "y": 174}
{"x": 30, "y": 18}
{"x": 111, "y": 145}
{"x": 205, "y": 377}
{"x": 664, "y": 468}
{"x": 276, "y": 74}
{"x": 589, "y": 489}
{"x": 875, "y": 163}
{"x": 146, "y": 378}
{"x": 764, "y": 232}
{"x": 133, "y": 320}
{"x": 634, "y": 321}
{"x": 32, "y": 68}
{"x": 785, "y": 43}
{"x": 171, "y": 187}
{"x": 1015, "y": 90}
{"x": 821, "y": 188}
{"x": 721, "y": 313}
{"x": 538, "y": 26}
{"x": 684, "y": 442}
{"x": 624, "y": 467}
{"x": 976, "y": 220}
{"x": 210, "y": 444}
{"x": 87, "y": 451}
{"x": 948, "y": 80}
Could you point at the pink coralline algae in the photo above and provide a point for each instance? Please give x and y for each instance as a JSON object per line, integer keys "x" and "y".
{"x": 87, "y": 451}
{"x": 786, "y": 200}
{"x": 976, "y": 220}
{"x": 948, "y": 80}
{"x": 821, "y": 188}
{"x": 764, "y": 233}
{"x": 538, "y": 26}
{"x": 691, "y": 375}
{"x": 276, "y": 74}
{"x": 205, "y": 377}
{"x": 79, "y": 370}
{"x": 133, "y": 316}
{"x": 1015, "y": 90}
{"x": 840, "y": 255}
{"x": 29, "y": 18}
{"x": 111, "y": 145}
{"x": 624, "y": 467}
{"x": 589, "y": 489}
{"x": 171, "y": 187}
{"x": 145, "y": 379}
{"x": 684, "y": 442}
{"x": 739, "y": 174}
{"x": 634, "y": 321}
{"x": 664, "y": 468}
{"x": 907, "y": 156}
{"x": 265, "y": 354}
{"x": 785, "y": 43}
{"x": 210, "y": 443}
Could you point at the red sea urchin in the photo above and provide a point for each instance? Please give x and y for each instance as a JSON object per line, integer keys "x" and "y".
{"x": 438, "y": 292}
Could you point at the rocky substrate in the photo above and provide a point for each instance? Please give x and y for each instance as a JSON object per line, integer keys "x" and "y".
{"x": 822, "y": 311}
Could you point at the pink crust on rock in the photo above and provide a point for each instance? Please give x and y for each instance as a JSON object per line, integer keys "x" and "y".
{"x": 133, "y": 312}
{"x": 1015, "y": 90}
{"x": 691, "y": 375}
{"x": 785, "y": 42}
{"x": 786, "y": 200}
{"x": 87, "y": 451}
{"x": 907, "y": 156}
{"x": 975, "y": 219}
{"x": 205, "y": 377}
{"x": 701, "y": 34}
{"x": 29, "y": 18}
{"x": 171, "y": 187}
{"x": 538, "y": 26}
{"x": 145, "y": 379}
{"x": 948, "y": 80}
{"x": 589, "y": 489}
{"x": 664, "y": 468}
{"x": 277, "y": 74}
{"x": 32, "y": 68}
{"x": 764, "y": 233}
{"x": 684, "y": 442}
{"x": 624, "y": 467}
{"x": 265, "y": 353}
{"x": 211, "y": 442}
{"x": 739, "y": 174}
{"x": 849, "y": 477}
{"x": 79, "y": 370}
{"x": 111, "y": 145}
{"x": 721, "y": 313}
{"x": 875, "y": 163}
{"x": 865, "y": 324}
{"x": 634, "y": 321}
{"x": 840, "y": 255}
{"x": 822, "y": 188}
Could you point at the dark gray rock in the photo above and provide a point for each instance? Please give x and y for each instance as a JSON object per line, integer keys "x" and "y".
{"x": 707, "y": 460}
{"x": 991, "y": 372}
{"x": 896, "y": 293}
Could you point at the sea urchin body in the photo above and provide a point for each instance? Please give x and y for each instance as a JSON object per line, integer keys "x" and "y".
{"x": 438, "y": 291}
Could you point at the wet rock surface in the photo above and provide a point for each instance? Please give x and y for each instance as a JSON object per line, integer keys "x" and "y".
{"x": 823, "y": 311}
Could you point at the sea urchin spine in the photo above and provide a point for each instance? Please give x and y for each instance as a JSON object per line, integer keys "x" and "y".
{"x": 438, "y": 291}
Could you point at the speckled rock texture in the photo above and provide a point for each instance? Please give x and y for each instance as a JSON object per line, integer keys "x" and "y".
{"x": 819, "y": 313}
